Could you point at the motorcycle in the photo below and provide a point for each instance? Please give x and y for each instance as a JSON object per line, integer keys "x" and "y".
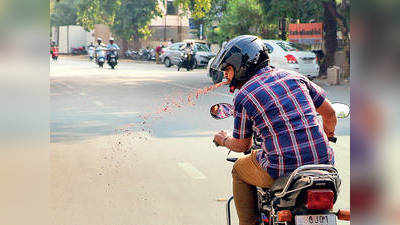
{"x": 152, "y": 55}
{"x": 91, "y": 53}
{"x": 144, "y": 54}
{"x": 79, "y": 50}
{"x": 187, "y": 61}
{"x": 54, "y": 52}
{"x": 112, "y": 57}
{"x": 129, "y": 54}
{"x": 305, "y": 197}
{"x": 100, "y": 56}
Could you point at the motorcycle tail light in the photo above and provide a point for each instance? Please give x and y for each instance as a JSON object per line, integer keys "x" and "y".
{"x": 320, "y": 199}
{"x": 343, "y": 215}
{"x": 284, "y": 216}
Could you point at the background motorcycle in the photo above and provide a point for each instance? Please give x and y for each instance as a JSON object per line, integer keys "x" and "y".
{"x": 91, "y": 53}
{"x": 112, "y": 57}
{"x": 305, "y": 197}
{"x": 130, "y": 54}
{"x": 187, "y": 61}
{"x": 100, "y": 56}
{"x": 79, "y": 50}
{"x": 145, "y": 54}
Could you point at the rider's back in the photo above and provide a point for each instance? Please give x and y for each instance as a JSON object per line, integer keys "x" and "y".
{"x": 281, "y": 106}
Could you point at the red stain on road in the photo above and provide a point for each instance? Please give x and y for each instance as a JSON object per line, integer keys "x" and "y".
{"x": 169, "y": 105}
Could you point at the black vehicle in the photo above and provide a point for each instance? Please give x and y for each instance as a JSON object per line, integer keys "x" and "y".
{"x": 304, "y": 197}
{"x": 130, "y": 54}
{"x": 112, "y": 57}
{"x": 187, "y": 60}
{"x": 145, "y": 54}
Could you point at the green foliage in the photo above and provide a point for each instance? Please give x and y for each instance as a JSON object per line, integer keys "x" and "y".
{"x": 241, "y": 17}
{"x": 63, "y": 13}
{"x": 126, "y": 18}
{"x": 131, "y": 18}
{"x": 303, "y": 10}
{"x": 198, "y": 9}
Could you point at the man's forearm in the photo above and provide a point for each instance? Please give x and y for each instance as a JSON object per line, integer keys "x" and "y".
{"x": 329, "y": 123}
{"x": 238, "y": 145}
{"x": 328, "y": 117}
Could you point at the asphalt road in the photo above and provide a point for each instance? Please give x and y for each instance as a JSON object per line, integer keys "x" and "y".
{"x": 129, "y": 148}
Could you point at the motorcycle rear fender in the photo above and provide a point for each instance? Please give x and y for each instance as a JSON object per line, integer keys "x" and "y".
{"x": 297, "y": 198}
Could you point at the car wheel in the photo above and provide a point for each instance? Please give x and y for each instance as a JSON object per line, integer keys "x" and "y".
{"x": 167, "y": 62}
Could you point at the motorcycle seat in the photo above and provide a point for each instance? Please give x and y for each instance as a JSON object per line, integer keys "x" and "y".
{"x": 279, "y": 183}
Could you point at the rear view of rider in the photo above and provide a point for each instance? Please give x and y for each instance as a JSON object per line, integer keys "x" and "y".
{"x": 281, "y": 107}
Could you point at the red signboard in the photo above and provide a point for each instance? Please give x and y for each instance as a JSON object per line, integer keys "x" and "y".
{"x": 306, "y": 33}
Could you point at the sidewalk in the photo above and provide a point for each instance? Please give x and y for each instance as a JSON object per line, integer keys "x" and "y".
{"x": 323, "y": 82}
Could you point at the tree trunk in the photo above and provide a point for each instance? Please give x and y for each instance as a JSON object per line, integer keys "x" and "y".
{"x": 136, "y": 43}
{"x": 330, "y": 37}
{"x": 124, "y": 45}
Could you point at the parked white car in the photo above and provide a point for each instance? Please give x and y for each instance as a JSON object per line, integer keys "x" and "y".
{"x": 291, "y": 56}
{"x": 282, "y": 55}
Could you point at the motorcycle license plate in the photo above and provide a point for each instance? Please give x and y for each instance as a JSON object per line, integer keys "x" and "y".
{"x": 328, "y": 219}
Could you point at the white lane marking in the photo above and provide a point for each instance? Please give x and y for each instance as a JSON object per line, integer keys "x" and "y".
{"x": 98, "y": 103}
{"x": 191, "y": 171}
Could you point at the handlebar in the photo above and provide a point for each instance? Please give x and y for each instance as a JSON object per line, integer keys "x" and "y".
{"x": 331, "y": 139}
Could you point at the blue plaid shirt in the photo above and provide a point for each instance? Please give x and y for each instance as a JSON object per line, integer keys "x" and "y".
{"x": 280, "y": 106}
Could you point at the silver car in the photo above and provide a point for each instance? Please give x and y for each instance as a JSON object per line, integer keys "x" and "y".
{"x": 173, "y": 53}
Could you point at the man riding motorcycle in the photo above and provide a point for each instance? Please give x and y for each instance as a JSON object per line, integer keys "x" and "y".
{"x": 189, "y": 61}
{"x": 110, "y": 46}
{"x": 282, "y": 107}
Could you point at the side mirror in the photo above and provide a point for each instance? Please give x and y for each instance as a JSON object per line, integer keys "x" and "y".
{"x": 221, "y": 111}
{"x": 341, "y": 110}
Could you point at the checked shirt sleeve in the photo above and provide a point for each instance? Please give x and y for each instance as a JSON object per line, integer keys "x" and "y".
{"x": 243, "y": 125}
{"x": 317, "y": 94}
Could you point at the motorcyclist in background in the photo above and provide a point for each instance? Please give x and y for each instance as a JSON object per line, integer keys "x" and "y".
{"x": 100, "y": 46}
{"x": 188, "y": 49}
{"x": 282, "y": 107}
{"x": 112, "y": 45}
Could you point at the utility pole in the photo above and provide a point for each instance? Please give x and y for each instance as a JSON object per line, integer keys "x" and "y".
{"x": 165, "y": 20}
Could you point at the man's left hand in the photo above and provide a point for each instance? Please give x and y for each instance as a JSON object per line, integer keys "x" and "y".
{"x": 220, "y": 137}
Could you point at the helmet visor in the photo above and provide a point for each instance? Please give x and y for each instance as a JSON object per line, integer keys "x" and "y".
{"x": 220, "y": 62}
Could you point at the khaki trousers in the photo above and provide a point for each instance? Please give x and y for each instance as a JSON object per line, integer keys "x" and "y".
{"x": 247, "y": 174}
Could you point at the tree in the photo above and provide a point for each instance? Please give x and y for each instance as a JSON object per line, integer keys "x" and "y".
{"x": 333, "y": 13}
{"x": 242, "y": 17}
{"x": 127, "y": 19}
{"x": 198, "y": 9}
{"x": 63, "y": 13}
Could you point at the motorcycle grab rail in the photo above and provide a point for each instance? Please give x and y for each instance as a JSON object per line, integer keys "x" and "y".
{"x": 325, "y": 167}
